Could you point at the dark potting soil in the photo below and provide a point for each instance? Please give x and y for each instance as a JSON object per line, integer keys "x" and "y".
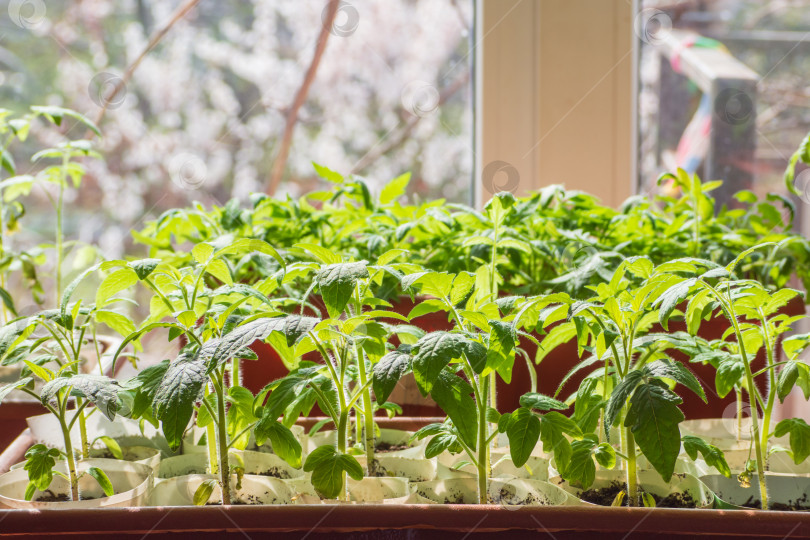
{"x": 50, "y": 496}
{"x": 275, "y": 472}
{"x": 799, "y": 505}
{"x": 384, "y": 447}
{"x": 606, "y": 495}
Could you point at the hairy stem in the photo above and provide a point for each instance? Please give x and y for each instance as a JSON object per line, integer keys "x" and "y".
{"x": 71, "y": 459}
{"x": 368, "y": 414}
{"x": 222, "y": 440}
{"x": 632, "y": 473}
{"x": 483, "y": 447}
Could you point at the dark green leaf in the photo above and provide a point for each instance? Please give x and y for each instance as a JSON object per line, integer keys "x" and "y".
{"x": 540, "y": 402}
{"x": 337, "y": 282}
{"x": 284, "y": 443}
{"x": 389, "y": 370}
{"x": 799, "y": 437}
{"x": 452, "y": 394}
{"x": 174, "y": 401}
{"x": 712, "y": 455}
{"x": 678, "y": 373}
{"x": 653, "y": 417}
{"x": 523, "y": 433}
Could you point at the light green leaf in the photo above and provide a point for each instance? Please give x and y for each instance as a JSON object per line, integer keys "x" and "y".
{"x": 395, "y": 188}
{"x": 102, "y": 479}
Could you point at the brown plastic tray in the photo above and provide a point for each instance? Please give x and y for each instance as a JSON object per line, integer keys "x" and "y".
{"x": 370, "y": 521}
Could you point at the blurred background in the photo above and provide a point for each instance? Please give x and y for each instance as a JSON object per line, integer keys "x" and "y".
{"x": 721, "y": 91}
{"x": 204, "y": 113}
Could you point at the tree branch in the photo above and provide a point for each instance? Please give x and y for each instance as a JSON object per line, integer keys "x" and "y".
{"x": 400, "y": 138}
{"x": 153, "y": 41}
{"x": 280, "y": 162}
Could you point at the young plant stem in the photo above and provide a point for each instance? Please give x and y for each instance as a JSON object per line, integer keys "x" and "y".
{"x": 728, "y": 307}
{"x": 483, "y": 447}
{"x": 235, "y": 373}
{"x": 629, "y": 448}
{"x": 222, "y": 440}
{"x": 368, "y": 414}
{"x": 71, "y": 459}
{"x": 768, "y": 409}
{"x": 83, "y": 429}
{"x": 739, "y": 413}
{"x": 342, "y": 434}
{"x": 211, "y": 436}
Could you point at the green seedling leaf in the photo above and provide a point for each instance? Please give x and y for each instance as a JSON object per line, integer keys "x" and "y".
{"x": 540, "y": 402}
{"x": 435, "y": 350}
{"x": 678, "y": 373}
{"x": 712, "y": 455}
{"x": 799, "y": 437}
{"x": 174, "y": 400}
{"x": 284, "y": 443}
{"x": 113, "y": 446}
{"x": 389, "y": 370}
{"x": 523, "y": 433}
{"x": 619, "y": 397}
{"x": 39, "y": 462}
{"x": 100, "y": 390}
{"x": 793, "y": 373}
{"x": 327, "y": 466}
{"x": 103, "y": 480}
{"x": 204, "y": 492}
{"x": 337, "y": 282}
{"x": 653, "y": 417}
{"x": 452, "y": 394}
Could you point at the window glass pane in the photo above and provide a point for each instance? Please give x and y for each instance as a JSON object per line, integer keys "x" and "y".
{"x": 754, "y": 54}
{"x": 203, "y": 115}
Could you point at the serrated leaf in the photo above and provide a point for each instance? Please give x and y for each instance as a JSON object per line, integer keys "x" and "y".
{"x": 100, "y": 390}
{"x": 284, "y": 443}
{"x": 501, "y": 351}
{"x": 534, "y": 400}
{"x": 143, "y": 267}
{"x": 395, "y": 188}
{"x": 523, "y": 433}
{"x": 327, "y": 466}
{"x": 435, "y": 350}
{"x": 619, "y": 397}
{"x": 173, "y": 403}
{"x": 337, "y": 282}
{"x": 389, "y": 370}
{"x": 678, "y": 373}
{"x": 452, "y": 394}
{"x": 653, "y": 417}
{"x": 712, "y": 455}
{"x": 39, "y": 462}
